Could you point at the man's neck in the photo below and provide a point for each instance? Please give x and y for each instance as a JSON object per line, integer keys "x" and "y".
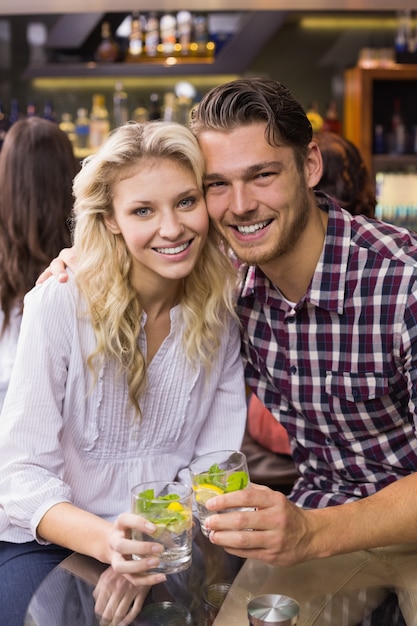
{"x": 292, "y": 273}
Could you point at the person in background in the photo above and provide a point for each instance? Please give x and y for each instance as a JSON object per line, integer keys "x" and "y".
{"x": 122, "y": 375}
{"x": 345, "y": 176}
{"x": 328, "y": 308}
{"x": 37, "y": 167}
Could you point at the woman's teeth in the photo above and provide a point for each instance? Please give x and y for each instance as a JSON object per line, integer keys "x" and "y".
{"x": 175, "y": 250}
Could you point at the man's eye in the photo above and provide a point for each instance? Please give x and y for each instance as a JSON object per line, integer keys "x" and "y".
{"x": 218, "y": 183}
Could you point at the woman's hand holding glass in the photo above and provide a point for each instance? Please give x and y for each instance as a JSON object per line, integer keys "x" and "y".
{"x": 122, "y": 546}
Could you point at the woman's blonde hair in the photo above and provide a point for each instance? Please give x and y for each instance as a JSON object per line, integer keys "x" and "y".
{"x": 104, "y": 262}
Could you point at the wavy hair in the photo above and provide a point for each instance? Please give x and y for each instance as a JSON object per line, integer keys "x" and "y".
{"x": 104, "y": 262}
{"x": 248, "y": 100}
{"x": 37, "y": 167}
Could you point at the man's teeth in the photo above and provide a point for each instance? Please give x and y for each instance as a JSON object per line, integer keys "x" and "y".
{"x": 175, "y": 250}
{"x": 247, "y": 230}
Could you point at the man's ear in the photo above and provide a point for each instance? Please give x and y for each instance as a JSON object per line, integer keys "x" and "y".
{"x": 111, "y": 224}
{"x": 314, "y": 165}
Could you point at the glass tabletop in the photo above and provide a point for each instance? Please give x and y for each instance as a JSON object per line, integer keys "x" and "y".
{"x": 65, "y": 597}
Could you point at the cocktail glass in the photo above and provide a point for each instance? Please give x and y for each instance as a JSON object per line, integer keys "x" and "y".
{"x": 168, "y": 505}
{"x": 216, "y": 473}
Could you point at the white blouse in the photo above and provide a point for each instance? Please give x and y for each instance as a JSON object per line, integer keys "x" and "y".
{"x": 65, "y": 439}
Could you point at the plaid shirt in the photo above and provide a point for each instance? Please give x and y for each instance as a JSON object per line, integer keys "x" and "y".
{"x": 339, "y": 370}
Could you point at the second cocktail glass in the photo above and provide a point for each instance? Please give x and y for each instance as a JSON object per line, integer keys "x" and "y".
{"x": 216, "y": 473}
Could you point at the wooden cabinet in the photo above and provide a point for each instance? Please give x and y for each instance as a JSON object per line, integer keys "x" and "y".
{"x": 370, "y": 97}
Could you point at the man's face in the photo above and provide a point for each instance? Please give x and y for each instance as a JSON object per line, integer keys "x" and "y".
{"x": 256, "y": 196}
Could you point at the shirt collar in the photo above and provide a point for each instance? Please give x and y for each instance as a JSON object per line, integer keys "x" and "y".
{"x": 327, "y": 286}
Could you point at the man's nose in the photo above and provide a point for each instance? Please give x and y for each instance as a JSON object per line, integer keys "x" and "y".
{"x": 241, "y": 201}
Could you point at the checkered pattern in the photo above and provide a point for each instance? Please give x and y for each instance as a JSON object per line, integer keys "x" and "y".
{"x": 339, "y": 370}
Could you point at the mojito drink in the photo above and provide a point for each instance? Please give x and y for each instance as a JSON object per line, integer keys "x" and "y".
{"x": 169, "y": 507}
{"x": 214, "y": 474}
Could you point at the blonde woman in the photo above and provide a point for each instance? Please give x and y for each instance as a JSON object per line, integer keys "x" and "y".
{"x": 124, "y": 373}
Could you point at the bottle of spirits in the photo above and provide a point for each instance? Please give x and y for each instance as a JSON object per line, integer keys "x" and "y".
{"x": 169, "y": 112}
{"x": 152, "y": 35}
{"x": 120, "y": 105}
{"x": 15, "y": 113}
{"x": 314, "y": 117}
{"x": 82, "y": 129}
{"x": 201, "y": 33}
{"x": 48, "y": 111}
{"x": 184, "y": 27}
{"x": 168, "y": 27}
{"x": 31, "y": 109}
{"x": 99, "y": 122}
{"x": 331, "y": 122}
{"x": 155, "y": 112}
{"x": 135, "y": 47}
{"x": 67, "y": 125}
{"x": 141, "y": 113}
{"x": 108, "y": 50}
{"x": 398, "y": 140}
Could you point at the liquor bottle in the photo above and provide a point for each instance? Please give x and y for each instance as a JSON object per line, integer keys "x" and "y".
{"x": 108, "y": 50}
{"x": 314, "y": 117}
{"x": 31, "y": 109}
{"x": 135, "y": 47}
{"x": 152, "y": 35}
{"x": 120, "y": 105}
{"x": 201, "y": 33}
{"x": 82, "y": 129}
{"x": 48, "y": 111}
{"x": 331, "y": 122}
{"x": 155, "y": 112}
{"x": 67, "y": 125}
{"x": 4, "y": 124}
{"x": 141, "y": 113}
{"x": 184, "y": 26}
{"x": 99, "y": 122}
{"x": 15, "y": 113}
{"x": 169, "y": 112}
{"x": 168, "y": 28}
{"x": 398, "y": 144}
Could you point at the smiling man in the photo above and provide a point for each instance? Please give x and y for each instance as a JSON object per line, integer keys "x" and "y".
{"x": 329, "y": 340}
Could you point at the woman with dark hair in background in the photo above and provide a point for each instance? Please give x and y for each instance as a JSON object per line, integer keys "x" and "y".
{"x": 37, "y": 166}
{"x": 345, "y": 175}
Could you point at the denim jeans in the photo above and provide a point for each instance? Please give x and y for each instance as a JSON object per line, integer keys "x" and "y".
{"x": 22, "y": 568}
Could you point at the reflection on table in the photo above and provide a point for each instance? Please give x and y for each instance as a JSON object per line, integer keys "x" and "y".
{"x": 327, "y": 595}
{"x": 65, "y": 597}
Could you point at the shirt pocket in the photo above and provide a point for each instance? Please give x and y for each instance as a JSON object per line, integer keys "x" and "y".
{"x": 359, "y": 404}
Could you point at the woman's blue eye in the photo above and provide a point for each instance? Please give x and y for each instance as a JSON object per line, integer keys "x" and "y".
{"x": 143, "y": 211}
{"x": 186, "y": 202}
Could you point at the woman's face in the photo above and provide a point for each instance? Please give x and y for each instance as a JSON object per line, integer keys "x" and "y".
{"x": 161, "y": 214}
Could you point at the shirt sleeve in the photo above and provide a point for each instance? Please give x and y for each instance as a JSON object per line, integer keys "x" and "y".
{"x": 31, "y": 457}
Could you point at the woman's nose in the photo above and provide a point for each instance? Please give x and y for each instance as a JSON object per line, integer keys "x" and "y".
{"x": 171, "y": 226}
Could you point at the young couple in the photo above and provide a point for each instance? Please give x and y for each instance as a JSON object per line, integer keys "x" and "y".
{"x": 328, "y": 316}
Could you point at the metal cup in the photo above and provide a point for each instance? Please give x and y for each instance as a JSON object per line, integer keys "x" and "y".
{"x": 273, "y": 609}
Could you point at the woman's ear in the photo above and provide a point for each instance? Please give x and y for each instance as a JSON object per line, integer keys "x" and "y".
{"x": 111, "y": 224}
{"x": 314, "y": 164}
